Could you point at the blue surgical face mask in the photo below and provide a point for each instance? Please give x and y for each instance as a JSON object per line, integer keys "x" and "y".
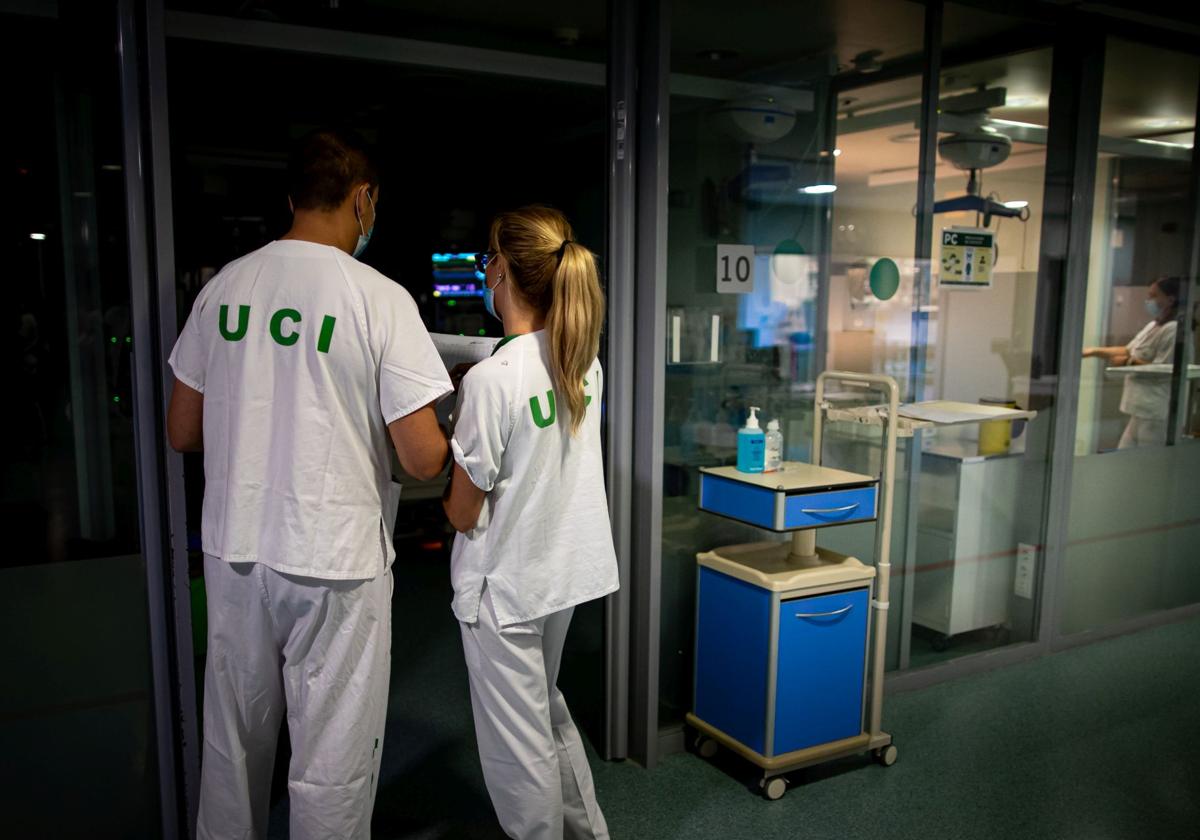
{"x": 489, "y": 298}
{"x": 1152, "y": 308}
{"x": 364, "y": 236}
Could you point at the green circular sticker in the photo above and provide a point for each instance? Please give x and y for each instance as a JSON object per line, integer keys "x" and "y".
{"x": 885, "y": 278}
{"x": 789, "y": 246}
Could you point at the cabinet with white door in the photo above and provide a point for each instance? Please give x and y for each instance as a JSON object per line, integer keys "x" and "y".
{"x": 967, "y": 541}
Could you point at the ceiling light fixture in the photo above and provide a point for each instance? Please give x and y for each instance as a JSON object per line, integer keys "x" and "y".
{"x": 1165, "y": 122}
{"x": 1016, "y": 124}
{"x": 867, "y": 61}
{"x": 818, "y": 189}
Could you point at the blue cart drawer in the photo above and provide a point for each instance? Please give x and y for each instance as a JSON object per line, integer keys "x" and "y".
{"x": 740, "y": 501}
{"x": 783, "y": 511}
{"x": 832, "y": 507}
{"x": 821, "y": 669}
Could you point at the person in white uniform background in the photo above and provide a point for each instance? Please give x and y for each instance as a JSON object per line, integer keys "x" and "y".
{"x": 1145, "y": 399}
{"x": 527, "y": 497}
{"x": 297, "y": 370}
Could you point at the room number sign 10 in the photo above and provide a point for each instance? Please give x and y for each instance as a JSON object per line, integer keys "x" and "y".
{"x": 735, "y": 269}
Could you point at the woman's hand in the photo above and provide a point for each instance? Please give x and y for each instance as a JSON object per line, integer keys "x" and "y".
{"x": 458, "y": 372}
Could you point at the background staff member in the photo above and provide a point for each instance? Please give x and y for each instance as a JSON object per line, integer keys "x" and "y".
{"x": 527, "y": 495}
{"x": 1146, "y": 399}
{"x": 296, "y": 366}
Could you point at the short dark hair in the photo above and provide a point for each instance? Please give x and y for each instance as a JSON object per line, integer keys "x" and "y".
{"x": 1170, "y": 286}
{"x": 325, "y": 164}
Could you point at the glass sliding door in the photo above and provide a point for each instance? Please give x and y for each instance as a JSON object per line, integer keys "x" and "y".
{"x": 76, "y": 710}
{"x": 760, "y": 253}
{"x": 472, "y": 110}
{"x": 982, "y": 488}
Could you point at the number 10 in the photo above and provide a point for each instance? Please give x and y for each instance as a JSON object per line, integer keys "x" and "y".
{"x": 741, "y": 268}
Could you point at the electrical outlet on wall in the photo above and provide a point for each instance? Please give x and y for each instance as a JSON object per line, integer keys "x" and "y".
{"x": 1026, "y": 566}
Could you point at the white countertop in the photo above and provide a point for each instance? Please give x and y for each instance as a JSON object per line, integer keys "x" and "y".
{"x": 1152, "y": 370}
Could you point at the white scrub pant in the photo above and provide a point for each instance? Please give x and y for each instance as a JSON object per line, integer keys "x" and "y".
{"x": 319, "y": 650}
{"x": 1143, "y": 431}
{"x": 532, "y": 755}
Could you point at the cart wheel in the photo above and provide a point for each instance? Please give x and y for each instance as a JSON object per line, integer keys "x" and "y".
{"x": 774, "y": 789}
{"x": 940, "y": 643}
{"x": 706, "y": 747}
{"x": 887, "y": 755}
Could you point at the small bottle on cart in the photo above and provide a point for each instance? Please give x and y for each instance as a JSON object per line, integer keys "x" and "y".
{"x": 773, "y": 460}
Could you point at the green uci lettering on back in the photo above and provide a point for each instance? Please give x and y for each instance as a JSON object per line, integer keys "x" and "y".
{"x": 587, "y": 398}
{"x": 535, "y": 407}
{"x": 243, "y": 323}
{"x": 277, "y": 327}
{"x": 326, "y": 334}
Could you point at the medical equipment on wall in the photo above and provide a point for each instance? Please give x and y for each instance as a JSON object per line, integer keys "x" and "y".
{"x": 758, "y": 118}
{"x": 975, "y": 146}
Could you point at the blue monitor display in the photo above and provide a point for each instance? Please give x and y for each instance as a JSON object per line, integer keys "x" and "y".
{"x": 455, "y": 276}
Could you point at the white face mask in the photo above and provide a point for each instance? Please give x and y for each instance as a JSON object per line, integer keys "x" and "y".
{"x": 364, "y": 236}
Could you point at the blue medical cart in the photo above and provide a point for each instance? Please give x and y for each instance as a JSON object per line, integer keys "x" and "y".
{"x": 783, "y": 630}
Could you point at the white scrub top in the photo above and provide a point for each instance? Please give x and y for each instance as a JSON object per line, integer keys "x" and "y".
{"x": 304, "y": 355}
{"x": 543, "y": 540}
{"x": 1149, "y": 396}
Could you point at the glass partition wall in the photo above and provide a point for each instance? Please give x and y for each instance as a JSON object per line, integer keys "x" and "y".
{"x": 1135, "y": 518}
{"x": 808, "y": 168}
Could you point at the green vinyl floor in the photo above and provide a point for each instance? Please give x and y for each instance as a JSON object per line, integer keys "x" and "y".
{"x": 1096, "y": 743}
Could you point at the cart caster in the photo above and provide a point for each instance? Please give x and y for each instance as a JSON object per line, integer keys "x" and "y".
{"x": 940, "y": 643}
{"x": 774, "y": 789}
{"x": 706, "y": 747}
{"x": 887, "y": 755}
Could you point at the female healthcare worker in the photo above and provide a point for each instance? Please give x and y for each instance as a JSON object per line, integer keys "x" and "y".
{"x": 1146, "y": 398}
{"x": 527, "y": 496}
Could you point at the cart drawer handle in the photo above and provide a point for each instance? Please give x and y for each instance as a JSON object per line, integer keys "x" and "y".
{"x": 829, "y": 510}
{"x": 843, "y": 610}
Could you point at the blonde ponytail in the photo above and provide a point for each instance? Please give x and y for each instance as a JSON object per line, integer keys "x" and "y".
{"x": 573, "y": 325}
{"x": 557, "y": 276}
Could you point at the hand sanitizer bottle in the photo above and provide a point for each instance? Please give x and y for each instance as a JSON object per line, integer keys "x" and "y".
{"x": 773, "y": 458}
{"x": 751, "y": 444}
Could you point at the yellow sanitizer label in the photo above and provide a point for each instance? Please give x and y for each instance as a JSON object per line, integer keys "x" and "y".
{"x": 967, "y": 257}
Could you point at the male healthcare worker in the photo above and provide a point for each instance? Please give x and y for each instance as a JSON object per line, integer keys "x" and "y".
{"x": 296, "y": 368}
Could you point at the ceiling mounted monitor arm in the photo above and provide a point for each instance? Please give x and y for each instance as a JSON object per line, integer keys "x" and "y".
{"x": 978, "y": 204}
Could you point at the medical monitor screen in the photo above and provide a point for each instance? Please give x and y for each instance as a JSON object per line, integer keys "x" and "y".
{"x": 455, "y": 276}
